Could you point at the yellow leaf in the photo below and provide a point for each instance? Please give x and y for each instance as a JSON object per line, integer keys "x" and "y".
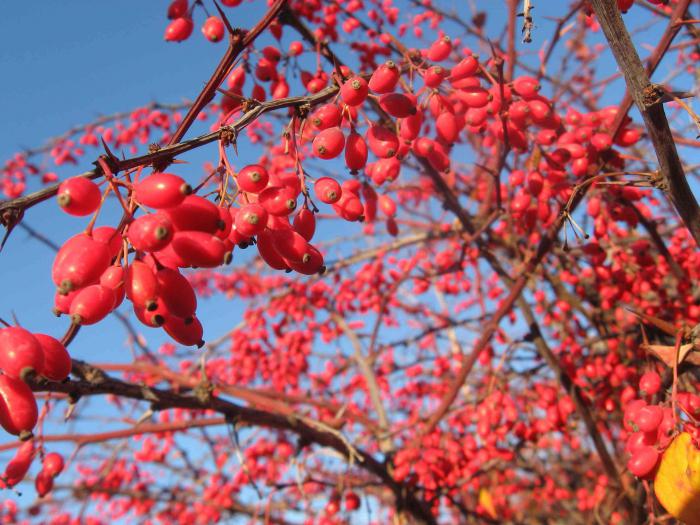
{"x": 677, "y": 481}
{"x": 486, "y": 502}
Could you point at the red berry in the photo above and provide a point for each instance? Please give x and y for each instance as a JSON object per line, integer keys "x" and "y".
{"x": 398, "y": 105}
{"x": 200, "y": 249}
{"x": 187, "y": 332}
{"x": 352, "y": 501}
{"x": 649, "y": 418}
{"x": 177, "y": 9}
{"x": 385, "y": 78}
{"x": 213, "y": 29}
{"x": 195, "y": 213}
{"x": 329, "y": 143}
{"x": 326, "y": 116}
{"x": 43, "y": 484}
{"x": 354, "y": 91}
{"x": 20, "y": 352}
{"x": 53, "y": 464}
{"x": 355, "y": 151}
{"x": 18, "y": 410}
{"x": 467, "y": 67}
{"x": 251, "y": 219}
{"x": 295, "y": 48}
{"x": 57, "y": 362}
{"x": 141, "y": 285}
{"x": 643, "y": 461}
{"x": 79, "y": 196}
{"x": 383, "y": 142}
{"x": 151, "y": 232}
{"x": 18, "y": 466}
{"x": 176, "y": 292}
{"x": 161, "y": 190}
{"x": 328, "y": 190}
{"x": 113, "y": 278}
{"x": 278, "y": 200}
{"x": 649, "y": 383}
{"x": 179, "y": 29}
{"x": 92, "y": 304}
{"x": 526, "y": 87}
{"x": 266, "y": 249}
{"x": 305, "y": 223}
{"x": 440, "y": 49}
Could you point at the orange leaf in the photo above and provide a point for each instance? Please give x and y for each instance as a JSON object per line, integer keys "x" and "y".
{"x": 677, "y": 481}
{"x": 486, "y": 502}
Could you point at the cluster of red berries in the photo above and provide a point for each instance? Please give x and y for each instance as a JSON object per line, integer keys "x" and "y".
{"x": 21, "y": 353}
{"x": 649, "y": 427}
{"x": 18, "y": 466}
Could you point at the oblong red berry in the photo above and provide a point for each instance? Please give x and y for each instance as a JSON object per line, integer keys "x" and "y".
{"x": 18, "y": 410}
{"x": 195, "y": 213}
{"x": 440, "y": 49}
{"x": 53, "y": 464}
{"x": 383, "y": 142}
{"x": 200, "y": 249}
{"x": 326, "y": 116}
{"x": 151, "y": 232}
{"x": 80, "y": 262}
{"x": 253, "y": 178}
{"x": 20, "y": 352}
{"x": 161, "y": 190}
{"x": 92, "y": 304}
{"x": 213, "y": 29}
{"x": 305, "y": 223}
{"x": 328, "y": 190}
{"x": 57, "y": 362}
{"x": 179, "y": 29}
{"x": 643, "y": 461}
{"x": 251, "y": 219}
{"x": 176, "y": 292}
{"x": 114, "y": 278}
{"x": 78, "y": 196}
{"x": 18, "y": 466}
{"x": 266, "y": 249}
{"x": 278, "y": 200}
{"x": 141, "y": 285}
{"x": 354, "y": 91}
{"x": 187, "y": 332}
{"x": 385, "y": 78}
{"x": 398, "y": 105}
{"x": 329, "y": 143}
{"x": 355, "y": 151}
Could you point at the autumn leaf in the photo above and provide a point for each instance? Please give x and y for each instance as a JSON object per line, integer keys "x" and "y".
{"x": 486, "y": 502}
{"x": 677, "y": 481}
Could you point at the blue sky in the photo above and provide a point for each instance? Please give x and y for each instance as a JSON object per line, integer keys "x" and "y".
{"x": 65, "y": 63}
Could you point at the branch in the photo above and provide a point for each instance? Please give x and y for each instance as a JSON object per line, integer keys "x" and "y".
{"x": 648, "y": 98}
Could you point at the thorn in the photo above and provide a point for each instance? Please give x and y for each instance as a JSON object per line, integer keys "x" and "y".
{"x": 231, "y": 32}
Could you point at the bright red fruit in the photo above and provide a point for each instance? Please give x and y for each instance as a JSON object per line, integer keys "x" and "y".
{"x": 141, "y": 285}
{"x": 352, "y": 501}
{"x": 176, "y": 292}
{"x": 326, "y": 116}
{"x": 383, "y": 142}
{"x": 187, "y": 332}
{"x": 79, "y": 196}
{"x": 179, "y": 29}
{"x": 79, "y": 262}
{"x": 195, "y": 213}
{"x": 354, "y": 91}
{"x": 643, "y": 461}
{"x": 251, "y": 219}
{"x": 43, "y": 483}
{"x": 328, "y": 190}
{"x": 329, "y": 143}
{"x": 385, "y": 78}
{"x": 213, "y": 29}
{"x": 398, "y": 105}
{"x": 151, "y": 232}
{"x": 57, "y": 362}
{"x": 650, "y": 383}
{"x": 18, "y": 410}
{"x": 200, "y": 249}
{"x": 20, "y": 352}
{"x": 305, "y": 223}
{"x": 92, "y": 304}
{"x": 18, "y": 466}
{"x": 53, "y": 464}
{"x": 177, "y": 9}
{"x": 440, "y": 49}
{"x": 355, "y": 151}
{"x": 161, "y": 190}
{"x": 278, "y": 200}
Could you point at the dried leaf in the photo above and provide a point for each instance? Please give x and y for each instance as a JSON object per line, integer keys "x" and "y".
{"x": 486, "y": 502}
{"x": 667, "y": 353}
